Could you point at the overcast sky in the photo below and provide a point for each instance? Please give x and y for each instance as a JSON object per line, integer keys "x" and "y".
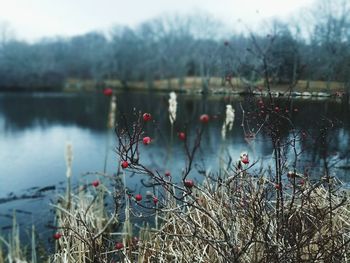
{"x": 33, "y": 19}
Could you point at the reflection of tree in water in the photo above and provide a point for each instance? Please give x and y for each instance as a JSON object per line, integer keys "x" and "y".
{"x": 325, "y": 142}
{"x": 25, "y": 111}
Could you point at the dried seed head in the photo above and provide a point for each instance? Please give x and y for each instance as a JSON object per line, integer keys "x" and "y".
{"x": 172, "y": 107}
{"x": 228, "y": 123}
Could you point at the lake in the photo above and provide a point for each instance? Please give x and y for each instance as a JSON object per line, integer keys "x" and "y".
{"x": 36, "y": 127}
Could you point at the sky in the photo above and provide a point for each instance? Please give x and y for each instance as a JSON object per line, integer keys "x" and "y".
{"x": 33, "y": 19}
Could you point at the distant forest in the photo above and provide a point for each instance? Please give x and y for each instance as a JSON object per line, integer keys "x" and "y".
{"x": 315, "y": 48}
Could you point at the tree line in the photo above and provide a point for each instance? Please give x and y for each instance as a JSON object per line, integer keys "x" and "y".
{"x": 167, "y": 47}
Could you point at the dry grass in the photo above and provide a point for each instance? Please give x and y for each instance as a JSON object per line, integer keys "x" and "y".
{"x": 11, "y": 248}
{"x": 84, "y": 223}
{"x": 234, "y": 220}
{"x": 241, "y": 225}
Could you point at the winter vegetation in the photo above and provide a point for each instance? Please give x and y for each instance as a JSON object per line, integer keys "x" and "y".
{"x": 238, "y": 211}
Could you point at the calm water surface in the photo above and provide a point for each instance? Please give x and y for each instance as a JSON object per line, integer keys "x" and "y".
{"x": 34, "y": 129}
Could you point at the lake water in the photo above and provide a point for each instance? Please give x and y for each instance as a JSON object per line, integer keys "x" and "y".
{"x": 34, "y": 129}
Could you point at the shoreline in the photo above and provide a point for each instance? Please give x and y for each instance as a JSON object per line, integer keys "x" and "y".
{"x": 235, "y": 86}
{"x": 194, "y": 85}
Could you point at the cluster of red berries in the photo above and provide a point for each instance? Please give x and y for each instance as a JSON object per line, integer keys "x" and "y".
{"x": 147, "y": 117}
{"x": 146, "y": 140}
{"x": 138, "y": 198}
{"x": 204, "y": 118}
{"x": 276, "y": 109}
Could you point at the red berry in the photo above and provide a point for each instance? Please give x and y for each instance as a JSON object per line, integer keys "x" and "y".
{"x": 119, "y": 245}
{"x": 125, "y": 164}
{"x": 182, "y": 136}
{"x": 138, "y": 197}
{"x": 302, "y": 182}
{"x": 155, "y": 200}
{"x": 204, "y": 118}
{"x": 95, "y": 183}
{"x": 167, "y": 173}
{"x": 189, "y": 183}
{"x": 260, "y": 102}
{"x": 245, "y": 159}
{"x": 277, "y": 187}
{"x": 287, "y": 110}
{"x": 146, "y": 140}
{"x": 147, "y": 117}
{"x": 244, "y": 156}
{"x": 57, "y": 236}
{"x": 108, "y": 92}
{"x": 277, "y": 109}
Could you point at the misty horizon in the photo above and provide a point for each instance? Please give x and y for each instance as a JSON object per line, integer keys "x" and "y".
{"x": 43, "y": 21}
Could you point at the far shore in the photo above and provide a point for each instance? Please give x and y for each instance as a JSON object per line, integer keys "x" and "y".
{"x": 216, "y": 85}
{"x": 195, "y": 85}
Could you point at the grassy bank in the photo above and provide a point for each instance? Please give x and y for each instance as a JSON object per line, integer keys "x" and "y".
{"x": 234, "y": 221}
